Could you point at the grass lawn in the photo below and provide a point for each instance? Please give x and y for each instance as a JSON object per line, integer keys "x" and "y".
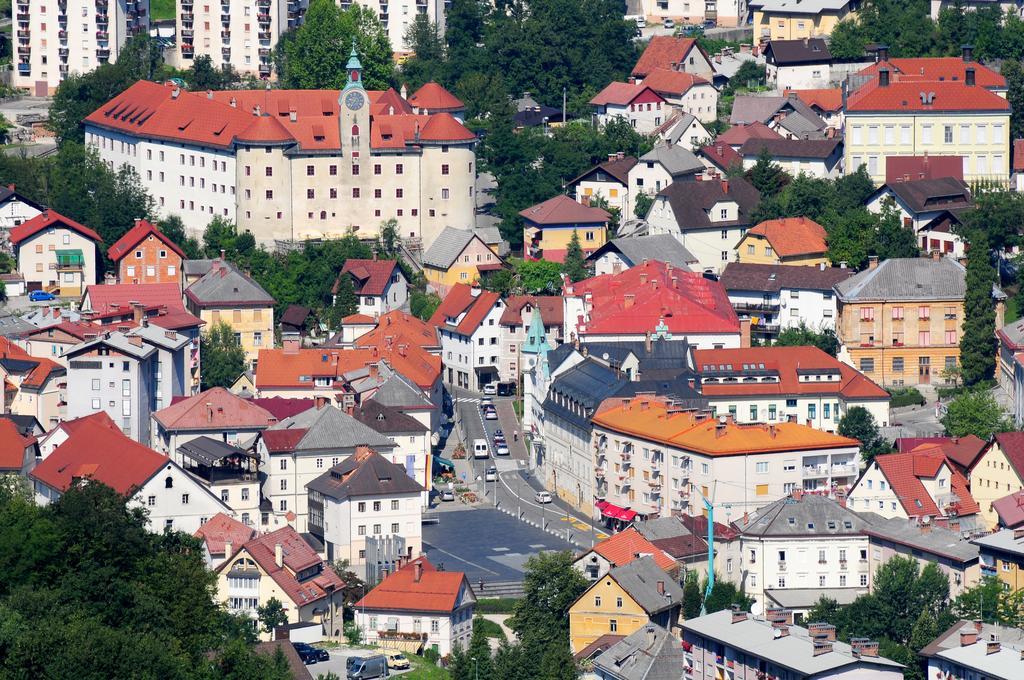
{"x": 424, "y": 670}
{"x": 517, "y": 406}
{"x": 161, "y": 10}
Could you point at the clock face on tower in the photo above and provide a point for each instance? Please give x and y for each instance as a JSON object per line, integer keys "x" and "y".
{"x": 354, "y": 100}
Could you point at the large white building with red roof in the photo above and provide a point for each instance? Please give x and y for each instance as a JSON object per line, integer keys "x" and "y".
{"x": 294, "y": 164}
{"x": 653, "y": 299}
{"x": 468, "y": 324}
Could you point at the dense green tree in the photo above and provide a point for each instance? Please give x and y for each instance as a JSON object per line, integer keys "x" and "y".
{"x": 797, "y": 336}
{"x": 223, "y": 357}
{"x": 975, "y": 412}
{"x": 1013, "y": 72}
{"x": 551, "y": 586}
{"x": 748, "y": 76}
{"x": 766, "y": 175}
{"x": 847, "y": 40}
{"x": 643, "y": 204}
{"x": 859, "y": 424}
{"x": 575, "y": 266}
{"x": 538, "y": 277}
{"x": 271, "y": 615}
{"x": 891, "y": 238}
{"x": 345, "y": 302}
{"x": 978, "y": 343}
{"x": 693, "y": 595}
{"x": 510, "y": 663}
{"x": 428, "y": 61}
{"x": 850, "y": 237}
{"x": 423, "y": 305}
{"x": 998, "y": 215}
{"x": 989, "y": 601}
{"x": 204, "y": 75}
{"x": 174, "y": 229}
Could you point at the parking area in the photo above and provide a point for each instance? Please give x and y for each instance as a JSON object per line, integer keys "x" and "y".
{"x": 339, "y": 656}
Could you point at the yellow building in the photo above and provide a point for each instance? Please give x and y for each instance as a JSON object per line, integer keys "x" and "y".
{"x": 548, "y": 228}
{"x": 899, "y": 321}
{"x": 939, "y": 107}
{"x": 998, "y": 473}
{"x": 226, "y": 294}
{"x": 1002, "y": 556}
{"x": 793, "y": 19}
{"x": 459, "y": 256}
{"x": 624, "y": 600}
{"x": 792, "y": 241}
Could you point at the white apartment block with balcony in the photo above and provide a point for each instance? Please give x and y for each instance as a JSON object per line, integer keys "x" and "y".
{"x": 398, "y": 15}
{"x": 55, "y": 38}
{"x": 241, "y": 35}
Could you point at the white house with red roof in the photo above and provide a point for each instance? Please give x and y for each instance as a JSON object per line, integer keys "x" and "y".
{"x": 220, "y": 535}
{"x": 56, "y": 253}
{"x": 293, "y": 164}
{"x": 379, "y": 284}
{"x": 672, "y": 53}
{"x": 643, "y": 108}
{"x": 468, "y": 321}
{"x": 417, "y": 608}
{"x": 63, "y": 430}
{"x": 686, "y": 92}
{"x": 215, "y": 413}
{"x": 283, "y": 566}
{"x": 95, "y": 452}
{"x": 653, "y": 299}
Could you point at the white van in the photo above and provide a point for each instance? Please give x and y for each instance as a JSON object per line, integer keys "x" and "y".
{"x": 639, "y": 19}
{"x": 480, "y": 449}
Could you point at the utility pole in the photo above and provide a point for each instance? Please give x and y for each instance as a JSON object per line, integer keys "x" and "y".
{"x": 563, "y": 105}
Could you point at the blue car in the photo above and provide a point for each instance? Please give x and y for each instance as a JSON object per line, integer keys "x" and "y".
{"x": 41, "y": 296}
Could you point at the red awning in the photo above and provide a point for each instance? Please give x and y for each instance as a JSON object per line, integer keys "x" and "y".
{"x": 615, "y": 512}
{"x": 601, "y": 505}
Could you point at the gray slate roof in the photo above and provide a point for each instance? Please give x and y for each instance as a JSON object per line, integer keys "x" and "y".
{"x": 801, "y": 126}
{"x": 906, "y": 279}
{"x": 805, "y": 598}
{"x": 13, "y": 327}
{"x": 675, "y": 159}
{"x": 160, "y": 337}
{"x": 1002, "y": 541}
{"x": 398, "y": 392}
{"x": 196, "y": 267}
{"x": 636, "y": 249}
{"x": 372, "y": 475}
{"x": 640, "y": 578}
{"x": 938, "y": 541}
{"x": 115, "y": 340}
{"x": 1006, "y": 664}
{"x": 330, "y": 428}
{"x": 819, "y": 149}
{"x": 772, "y": 278}
{"x": 650, "y": 653}
{"x": 446, "y": 247}
{"x": 587, "y": 383}
{"x": 749, "y": 108}
{"x": 676, "y": 127}
{"x": 225, "y": 284}
{"x": 809, "y": 516}
{"x": 794, "y": 651}
{"x": 661, "y": 528}
{"x": 691, "y": 202}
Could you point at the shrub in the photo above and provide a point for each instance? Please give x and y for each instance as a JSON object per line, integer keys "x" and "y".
{"x": 906, "y": 396}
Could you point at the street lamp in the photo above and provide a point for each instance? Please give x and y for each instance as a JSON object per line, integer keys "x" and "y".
{"x": 476, "y": 669}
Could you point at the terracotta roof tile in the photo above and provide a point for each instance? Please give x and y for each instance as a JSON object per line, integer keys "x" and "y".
{"x": 675, "y": 83}
{"x": 793, "y": 236}
{"x": 628, "y": 545}
{"x": 371, "y": 276}
{"x": 460, "y": 302}
{"x": 925, "y": 69}
{"x": 664, "y": 51}
{"x": 963, "y": 451}
{"x": 443, "y": 127}
{"x": 48, "y": 219}
{"x": 135, "y": 236}
{"x": 1010, "y": 510}
{"x": 297, "y": 556}
{"x": 909, "y": 168}
{"x": 905, "y": 96}
{"x": 436, "y": 591}
{"x": 1012, "y": 446}
{"x": 221, "y": 530}
{"x": 214, "y": 409}
{"x": 620, "y": 94}
{"x": 298, "y": 368}
{"x": 828, "y": 100}
{"x": 401, "y": 327}
{"x": 560, "y": 210}
{"x": 12, "y": 446}
{"x": 434, "y": 98}
{"x": 904, "y": 472}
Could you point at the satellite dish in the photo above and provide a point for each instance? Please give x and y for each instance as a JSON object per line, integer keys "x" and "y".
{"x": 756, "y": 609}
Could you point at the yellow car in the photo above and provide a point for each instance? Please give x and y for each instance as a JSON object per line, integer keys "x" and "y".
{"x": 396, "y": 660}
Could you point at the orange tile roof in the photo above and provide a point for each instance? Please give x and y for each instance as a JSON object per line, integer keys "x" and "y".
{"x": 38, "y": 376}
{"x": 829, "y": 99}
{"x": 221, "y": 530}
{"x": 677, "y": 83}
{"x": 433, "y": 97}
{"x": 649, "y": 418}
{"x": 135, "y": 236}
{"x": 905, "y": 471}
{"x": 358, "y": 319}
{"x": 792, "y": 236}
{"x": 47, "y": 219}
{"x": 12, "y": 446}
{"x": 664, "y": 51}
{"x": 298, "y": 368}
{"x": 297, "y": 556}
{"x": 436, "y": 591}
{"x": 620, "y": 94}
{"x": 460, "y": 301}
{"x": 628, "y": 545}
{"x": 562, "y": 210}
{"x": 415, "y": 363}
{"x": 932, "y": 69}
{"x": 905, "y": 96}
{"x": 214, "y": 409}
{"x": 400, "y": 327}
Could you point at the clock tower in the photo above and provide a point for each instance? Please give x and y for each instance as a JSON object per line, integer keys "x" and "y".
{"x": 354, "y": 112}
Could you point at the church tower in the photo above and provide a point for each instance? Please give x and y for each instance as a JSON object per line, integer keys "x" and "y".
{"x": 354, "y": 114}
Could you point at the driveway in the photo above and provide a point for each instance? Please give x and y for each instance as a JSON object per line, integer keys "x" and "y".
{"x": 339, "y": 656}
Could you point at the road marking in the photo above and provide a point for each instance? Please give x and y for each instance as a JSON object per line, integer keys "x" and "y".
{"x": 537, "y": 546}
{"x": 500, "y": 549}
{"x": 465, "y": 561}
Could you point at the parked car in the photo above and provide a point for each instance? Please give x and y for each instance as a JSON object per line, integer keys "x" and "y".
{"x": 668, "y": 23}
{"x": 542, "y": 497}
{"x": 368, "y": 667}
{"x": 491, "y": 388}
{"x": 501, "y": 449}
{"x": 41, "y": 296}
{"x": 447, "y": 496}
{"x": 396, "y": 659}
{"x": 490, "y": 414}
{"x": 491, "y": 475}
{"x": 310, "y": 654}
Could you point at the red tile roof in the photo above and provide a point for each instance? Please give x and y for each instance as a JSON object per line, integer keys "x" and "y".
{"x": 46, "y": 220}
{"x": 1010, "y": 510}
{"x": 620, "y": 94}
{"x": 214, "y": 409}
{"x": 551, "y": 309}
{"x": 12, "y": 446}
{"x": 434, "y": 98}
{"x": 936, "y": 69}
{"x": 904, "y": 472}
{"x": 371, "y": 276}
{"x": 640, "y": 298}
{"x": 737, "y": 135}
{"x": 161, "y": 301}
{"x": 436, "y": 591}
{"x": 297, "y": 556}
{"x": 221, "y": 530}
{"x": 283, "y": 407}
{"x": 910, "y": 168}
{"x": 722, "y": 156}
{"x": 626, "y": 546}
{"x": 829, "y": 100}
{"x": 443, "y": 127}
{"x": 962, "y": 451}
{"x": 460, "y": 302}
{"x": 792, "y": 236}
{"x": 401, "y": 327}
{"x": 562, "y": 210}
{"x": 102, "y": 454}
{"x": 264, "y": 128}
{"x": 283, "y": 440}
{"x": 788, "y": 361}
{"x": 675, "y": 83}
{"x": 135, "y": 236}
{"x": 905, "y": 96}
{"x": 1012, "y": 446}
{"x": 413, "y": 362}
{"x": 664, "y": 51}
{"x": 38, "y": 376}
{"x": 299, "y": 368}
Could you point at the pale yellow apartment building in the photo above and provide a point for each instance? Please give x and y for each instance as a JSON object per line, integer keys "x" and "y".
{"x": 795, "y": 19}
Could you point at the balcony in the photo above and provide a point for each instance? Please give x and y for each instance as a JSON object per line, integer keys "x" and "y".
{"x": 62, "y": 52}
{"x": 225, "y": 35}
{"x": 102, "y": 35}
{"x": 23, "y": 5}
{"x": 187, "y": 17}
{"x": 226, "y": 51}
{"x": 263, "y": 18}
{"x": 263, "y": 35}
{"x": 103, "y": 53}
{"x": 626, "y": 455}
{"x": 187, "y": 49}
{"x": 264, "y": 51}
{"x": 599, "y": 472}
{"x": 63, "y": 35}
{"x": 24, "y": 33}
{"x": 187, "y": 33}
{"x": 225, "y": 18}
{"x": 263, "y": 3}
{"x": 186, "y": 5}
{"x": 102, "y": 19}
{"x": 24, "y": 49}
{"x": 264, "y": 69}
{"x": 762, "y": 307}
{"x": 24, "y": 68}
{"x": 70, "y": 260}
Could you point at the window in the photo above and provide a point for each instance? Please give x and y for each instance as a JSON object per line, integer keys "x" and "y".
{"x": 867, "y": 365}
{"x": 613, "y": 625}
{"x": 394, "y": 528}
{"x": 867, "y": 313}
{"x": 762, "y": 468}
{"x": 151, "y": 501}
{"x": 597, "y": 600}
{"x": 361, "y": 506}
{"x": 284, "y": 485}
{"x": 376, "y": 530}
{"x": 284, "y": 464}
{"x": 224, "y": 495}
{"x": 361, "y": 530}
{"x": 376, "y": 506}
{"x": 947, "y": 134}
{"x": 863, "y": 580}
{"x": 394, "y": 505}
{"x": 169, "y": 483}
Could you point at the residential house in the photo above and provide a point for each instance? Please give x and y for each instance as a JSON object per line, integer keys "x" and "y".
{"x": 220, "y": 535}
{"x": 685, "y": 541}
{"x": 659, "y": 167}
{"x": 412, "y": 436}
{"x": 368, "y": 511}
{"x": 738, "y": 135}
{"x": 709, "y": 217}
{"x": 1002, "y": 556}
{"x": 972, "y": 649}
{"x": 622, "y": 602}
{"x": 226, "y": 294}
{"x": 293, "y": 323}
{"x": 170, "y": 375}
{"x": 909, "y": 168}
{"x": 790, "y": 240}
{"x": 928, "y": 543}
{"x": 964, "y": 453}
{"x": 607, "y": 182}
{"x": 996, "y": 474}
{"x": 54, "y": 340}
{"x": 468, "y": 323}
{"x": 652, "y": 299}
{"x": 457, "y": 256}
{"x": 930, "y": 207}
{"x": 787, "y": 115}
{"x": 619, "y": 549}
{"x": 55, "y": 253}
{"x": 622, "y": 253}
{"x": 820, "y": 158}
{"x": 146, "y": 255}
{"x": 1010, "y": 510}
{"x": 215, "y": 413}
{"x": 640, "y": 106}
{"x": 516, "y": 321}
{"x": 685, "y": 92}
{"x": 773, "y": 384}
{"x": 417, "y": 608}
{"x": 880, "y": 125}
{"x": 798, "y": 549}
{"x": 685, "y": 129}
{"x": 720, "y": 159}
{"x": 776, "y": 20}
{"x": 675, "y": 54}
{"x": 281, "y": 565}
{"x": 95, "y": 452}
{"x": 15, "y": 209}
{"x": 299, "y": 449}
{"x": 64, "y": 429}
{"x": 826, "y": 102}
{"x": 648, "y": 653}
{"x": 1009, "y": 370}
{"x": 549, "y": 227}
{"x": 798, "y": 64}
{"x": 651, "y": 455}
{"x": 773, "y": 647}
{"x": 230, "y": 473}
{"x": 18, "y": 451}
{"x": 920, "y": 485}
{"x": 379, "y": 285}
{"x": 32, "y": 386}
{"x": 899, "y": 335}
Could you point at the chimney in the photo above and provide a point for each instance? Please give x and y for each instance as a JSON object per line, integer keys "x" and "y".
{"x": 992, "y": 645}
{"x": 725, "y": 185}
{"x": 821, "y": 629}
{"x": 738, "y": 614}
{"x": 969, "y": 76}
{"x": 745, "y": 332}
{"x": 661, "y": 587}
{"x": 1018, "y": 534}
{"x": 417, "y": 572}
{"x": 475, "y": 290}
{"x": 968, "y": 637}
{"x": 967, "y": 51}
{"x": 822, "y": 647}
{"x": 863, "y": 647}
{"x": 404, "y": 92}
{"x": 209, "y": 412}
{"x": 278, "y": 555}
{"x": 883, "y": 77}
{"x": 781, "y": 630}
{"x": 320, "y": 402}
{"x": 936, "y": 255}
{"x": 873, "y": 262}
{"x": 293, "y": 116}
{"x": 791, "y": 418}
{"x": 926, "y": 527}
{"x": 290, "y": 345}
{"x": 175, "y": 92}
{"x": 883, "y": 53}
{"x": 222, "y": 254}
{"x": 797, "y": 494}
{"x": 648, "y": 343}
{"x": 228, "y": 545}
{"x": 977, "y": 625}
